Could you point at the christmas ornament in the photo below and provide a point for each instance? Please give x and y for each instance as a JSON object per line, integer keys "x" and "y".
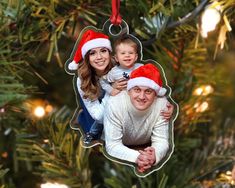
{"x": 99, "y": 80}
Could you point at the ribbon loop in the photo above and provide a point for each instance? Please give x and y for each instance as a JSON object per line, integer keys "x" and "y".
{"x": 115, "y": 18}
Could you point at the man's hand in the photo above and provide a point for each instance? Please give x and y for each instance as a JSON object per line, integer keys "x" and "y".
{"x": 146, "y": 159}
{"x": 168, "y": 112}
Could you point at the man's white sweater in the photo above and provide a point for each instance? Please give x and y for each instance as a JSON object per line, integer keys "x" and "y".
{"x": 125, "y": 125}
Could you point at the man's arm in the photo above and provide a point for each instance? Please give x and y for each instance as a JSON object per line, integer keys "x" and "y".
{"x": 160, "y": 138}
{"x": 114, "y": 133}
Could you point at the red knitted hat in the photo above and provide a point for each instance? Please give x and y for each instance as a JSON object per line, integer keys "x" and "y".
{"x": 147, "y": 75}
{"x": 90, "y": 39}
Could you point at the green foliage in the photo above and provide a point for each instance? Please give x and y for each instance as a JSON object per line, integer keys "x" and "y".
{"x": 2, "y": 174}
{"x": 11, "y": 86}
{"x": 3, "y": 171}
{"x": 57, "y": 148}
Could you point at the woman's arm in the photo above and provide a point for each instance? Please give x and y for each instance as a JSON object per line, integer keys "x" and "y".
{"x": 168, "y": 111}
{"x": 95, "y": 108}
{"x": 106, "y": 85}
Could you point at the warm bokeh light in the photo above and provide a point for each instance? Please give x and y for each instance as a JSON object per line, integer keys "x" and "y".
{"x": 39, "y": 111}
{"x": 203, "y": 90}
{"x": 198, "y": 91}
{"x": 4, "y": 154}
{"x": 46, "y": 140}
{"x": 53, "y": 185}
{"x": 201, "y": 107}
{"x": 210, "y": 18}
{"x": 208, "y": 90}
{"x": 2, "y": 110}
{"x": 48, "y": 108}
{"x": 227, "y": 177}
{"x": 38, "y": 108}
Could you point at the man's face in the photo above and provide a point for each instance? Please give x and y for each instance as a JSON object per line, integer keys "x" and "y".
{"x": 142, "y": 97}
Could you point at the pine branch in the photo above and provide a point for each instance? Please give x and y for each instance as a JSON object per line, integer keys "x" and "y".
{"x": 3, "y": 171}
{"x": 57, "y": 148}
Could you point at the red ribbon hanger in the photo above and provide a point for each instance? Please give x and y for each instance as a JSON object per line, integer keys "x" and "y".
{"x": 115, "y": 18}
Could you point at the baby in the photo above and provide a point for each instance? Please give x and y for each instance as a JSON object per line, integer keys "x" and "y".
{"x": 126, "y": 55}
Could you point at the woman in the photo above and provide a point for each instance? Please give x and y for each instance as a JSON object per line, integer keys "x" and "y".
{"x": 94, "y": 53}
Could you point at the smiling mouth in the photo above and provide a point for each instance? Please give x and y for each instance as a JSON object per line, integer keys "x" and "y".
{"x": 100, "y": 63}
{"x": 141, "y": 102}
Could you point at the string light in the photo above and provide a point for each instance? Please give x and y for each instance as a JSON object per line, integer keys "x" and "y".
{"x": 53, "y": 185}
{"x": 2, "y": 110}
{"x": 4, "y": 154}
{"x": 201, "y": 107}
{"x": 39, "y": 111}
{"x": 203, "y": 90}
{"x": 48, "y": 108}
{"x": 209, "y": 20}
{"x": 227, "y": 177}
{"x": 198, "y": 91}
{"x": 38, "y": 108}
{"x": 208, "y": 90}
{"x": 46, "y": 140}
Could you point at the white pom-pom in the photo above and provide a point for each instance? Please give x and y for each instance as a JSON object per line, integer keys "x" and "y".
{"x": 161, "y": 92}
{"x": 73, "y": 66}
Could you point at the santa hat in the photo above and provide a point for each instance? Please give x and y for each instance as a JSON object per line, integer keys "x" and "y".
{"x": 147, "y": 75}
{"x": 90, "y": 39}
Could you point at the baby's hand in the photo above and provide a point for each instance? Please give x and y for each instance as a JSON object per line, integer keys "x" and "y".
{"x": 114, "y": 92}
{"x": 120, "y": 84}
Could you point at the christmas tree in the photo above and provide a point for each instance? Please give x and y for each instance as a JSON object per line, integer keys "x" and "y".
{"x": 38, "y": 147}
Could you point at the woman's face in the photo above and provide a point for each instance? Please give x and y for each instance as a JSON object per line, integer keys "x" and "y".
{"x": 99, "y": 59}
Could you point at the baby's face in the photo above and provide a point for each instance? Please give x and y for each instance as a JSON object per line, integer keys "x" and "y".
{"x": 126, "y": 55}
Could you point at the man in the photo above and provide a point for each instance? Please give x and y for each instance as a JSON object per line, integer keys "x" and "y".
{"x": 133, "y": 118}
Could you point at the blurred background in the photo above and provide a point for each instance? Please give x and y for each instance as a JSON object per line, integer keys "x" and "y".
{"x": 194, "y": 41}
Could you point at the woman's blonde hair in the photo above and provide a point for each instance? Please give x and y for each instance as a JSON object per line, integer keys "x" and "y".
{"x": 90, "y": 84}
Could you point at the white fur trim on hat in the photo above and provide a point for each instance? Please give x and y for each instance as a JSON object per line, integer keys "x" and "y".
{"x": 95, "y": 43}
{"x": 143, "y": 81}
{"x": 73, "y": 66}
